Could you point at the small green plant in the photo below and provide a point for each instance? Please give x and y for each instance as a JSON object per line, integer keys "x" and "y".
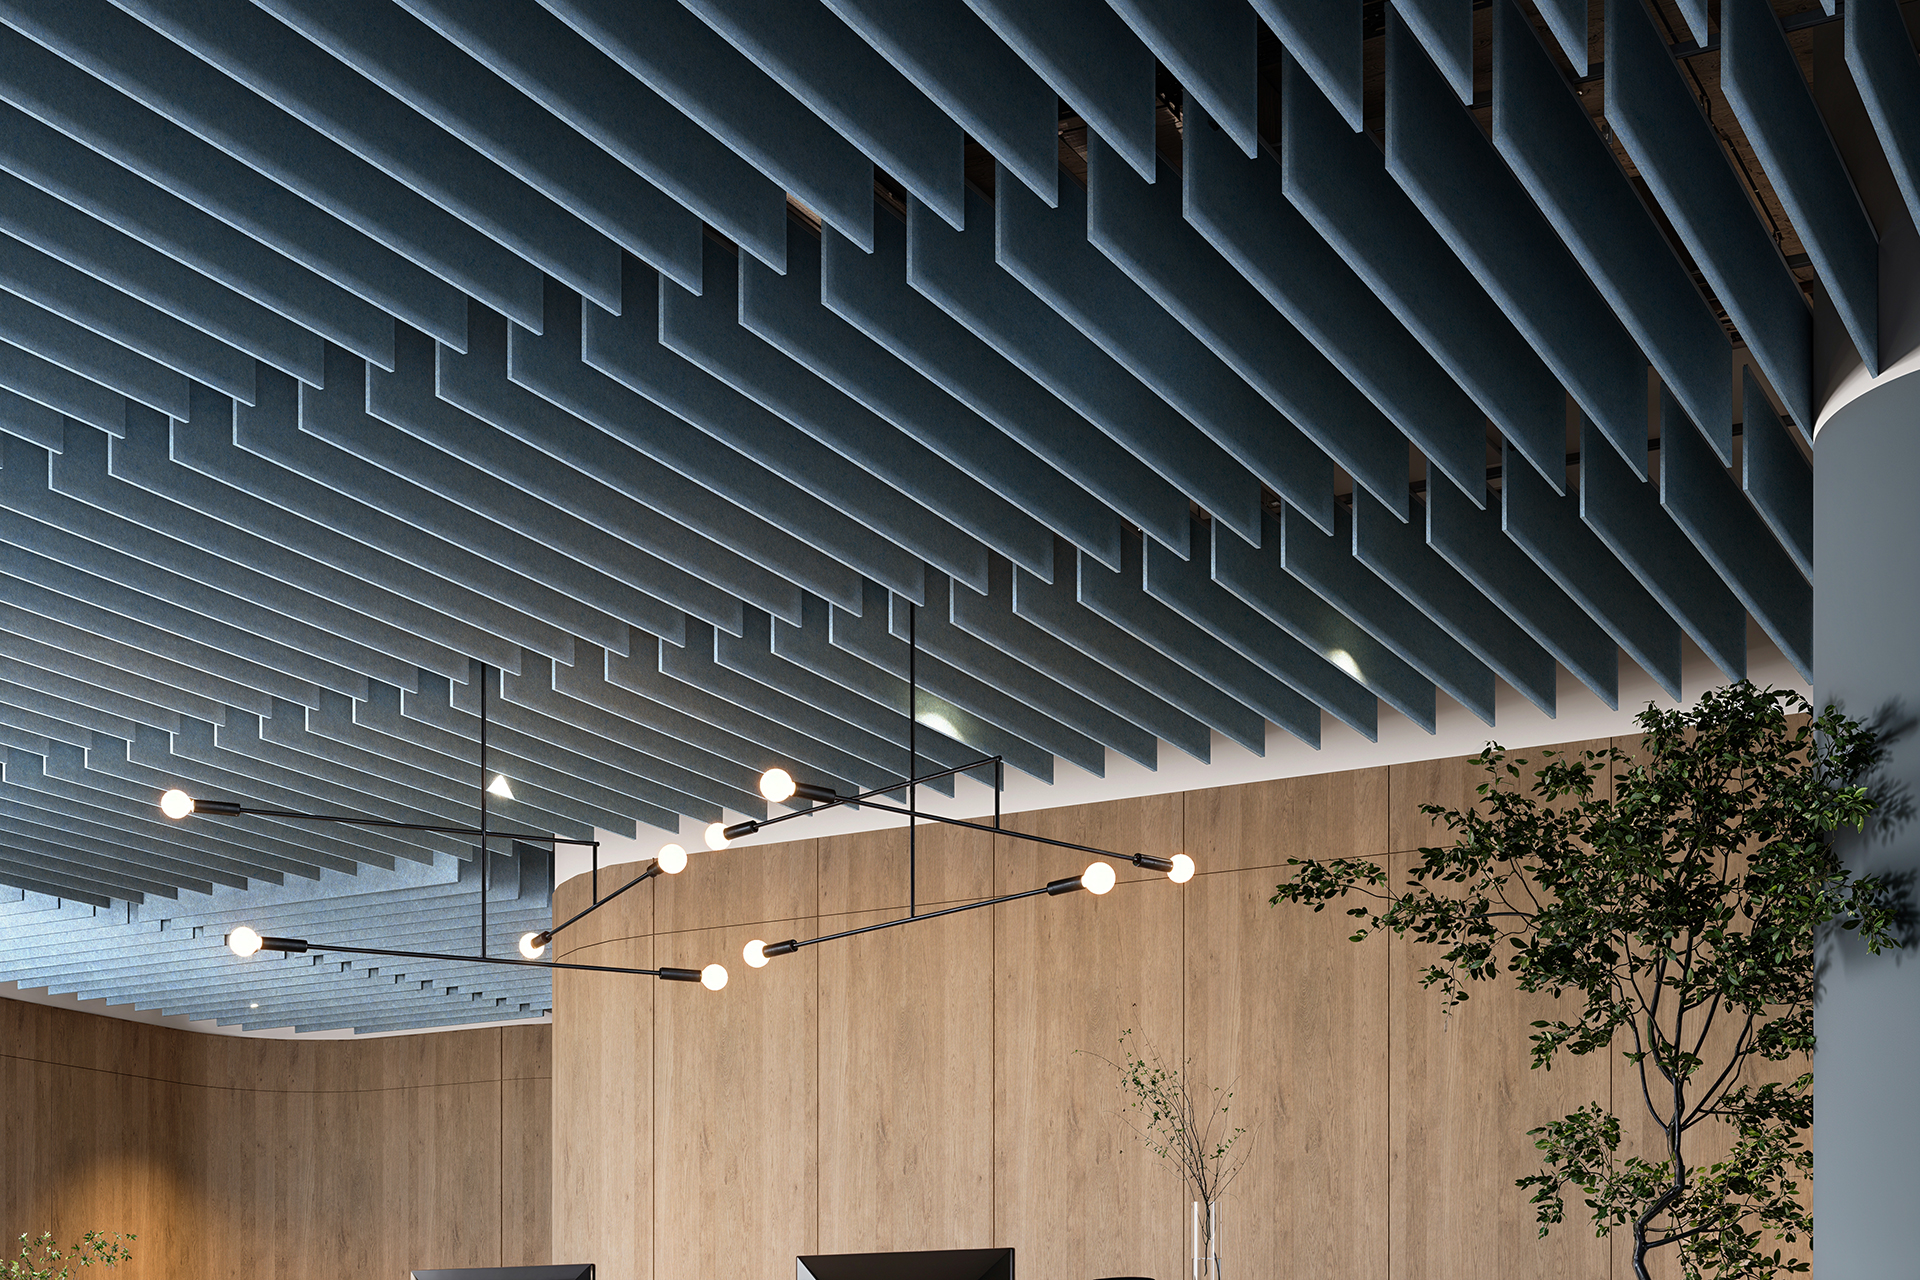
{"x": 1183, "y": 1126}
{"x": 44, "y": 1259}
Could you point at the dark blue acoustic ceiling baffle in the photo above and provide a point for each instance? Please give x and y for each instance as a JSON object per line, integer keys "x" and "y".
{"x": 1164, "y": 369}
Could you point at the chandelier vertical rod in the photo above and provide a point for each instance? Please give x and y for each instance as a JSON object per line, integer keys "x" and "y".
{"x": 485, "y": 852}
{"x": 913, "y": 762}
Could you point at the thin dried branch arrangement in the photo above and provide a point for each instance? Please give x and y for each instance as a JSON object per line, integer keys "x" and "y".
{"x": 1682, "y": 914}
{"x": 1185, "y": 1126}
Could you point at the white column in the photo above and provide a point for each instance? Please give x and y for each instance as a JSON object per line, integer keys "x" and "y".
{"x": 1866, "y": 502}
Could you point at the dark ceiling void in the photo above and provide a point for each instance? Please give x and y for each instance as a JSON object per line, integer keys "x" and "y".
{"x": 1185, "y": 368}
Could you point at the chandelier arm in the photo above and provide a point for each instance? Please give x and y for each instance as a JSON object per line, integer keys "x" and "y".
{"x": 924, "y": 915}
{"x": 322, "y": 947}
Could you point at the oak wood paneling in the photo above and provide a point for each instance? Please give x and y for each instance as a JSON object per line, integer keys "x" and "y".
{"x": 267, "y": 1158}
{"x": 1451, "y": 781}
{"x": 1072, "y": 1192}
{"x": 1463, "y": 1096}
{"x": 1262, "y": 824}
{"x": 1287, "y": 1015}
{"x": 906, "y": 1084}
{"x": 736, "y": 1114}
{"x": 603, "y": 1109}
{"x": 867, "y": 871}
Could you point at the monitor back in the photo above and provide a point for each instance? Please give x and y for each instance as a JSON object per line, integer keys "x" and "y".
{"x": 567, "y": 1271}
{"x": 926, "y": 1264}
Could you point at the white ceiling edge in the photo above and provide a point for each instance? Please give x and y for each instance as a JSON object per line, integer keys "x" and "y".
{"x": 1458, "y": 732}
{"x": 180, "y": 1022}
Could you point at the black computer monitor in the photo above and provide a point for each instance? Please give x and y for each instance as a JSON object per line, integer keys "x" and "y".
{"x": 566, "y": 1271}
{"x": 926, "y": 1264}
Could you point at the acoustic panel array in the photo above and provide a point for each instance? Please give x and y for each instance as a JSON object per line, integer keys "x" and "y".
{"x": 1169, "y": 373}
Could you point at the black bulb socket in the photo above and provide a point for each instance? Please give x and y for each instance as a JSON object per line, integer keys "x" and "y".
{"x": 786, "y": 948}
{"x": 739, "y": 829}
{"x": 1151, "y": 863}
{"x": 283, "y": 944}
{"x": 679, "y": 975}
{"x": 1057, "y": 887}
{"x": 815, "y": 793}
{"x": 228, "y": 807}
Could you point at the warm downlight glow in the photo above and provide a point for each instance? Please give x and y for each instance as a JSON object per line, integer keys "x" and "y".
{"x": 176, "y": 804}
{"x": 717, "y": 836}
{"x": 713, "y": 977}
{"x": 1097, "y": 878}
{"x": 777, "y": 785}
{"x": 755, "y": 954}
{"x": 533, "y": 945}
{"x": 1182, "y": 869}
{"x": 673, "y": 859}
{"x": 243, "y": 941}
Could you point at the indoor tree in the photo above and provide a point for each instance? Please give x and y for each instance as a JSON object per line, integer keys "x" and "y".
{"x": 1682, "y": 915}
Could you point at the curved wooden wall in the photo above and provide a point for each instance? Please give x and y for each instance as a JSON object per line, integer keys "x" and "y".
{"x": 276, "y": 1159}
{"x": 919, "y": 1088}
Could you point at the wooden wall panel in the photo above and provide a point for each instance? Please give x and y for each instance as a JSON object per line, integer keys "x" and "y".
{"x": 1072, "y": 1193}
{"x": 1262, "y": 824}
{"x": 736, "y": 1113}
{"x": 265, "y": 1158}
{"x": 1451, "y": 782}
{"x": 1290, "y": 1017}
{"x": 1463, "y": 1096}
{"x": 906, "y": 1084}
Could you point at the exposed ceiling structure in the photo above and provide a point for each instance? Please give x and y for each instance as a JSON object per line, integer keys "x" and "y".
{"x": 1183, "y": 366}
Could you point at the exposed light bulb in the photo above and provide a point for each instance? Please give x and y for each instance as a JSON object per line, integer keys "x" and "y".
{"x": 254, "y": 1005}
{"x": 1345, "y": 661}
{"x": 673, "y": 859}
{"x": 499, "y": 787}
{"x": 243, "y": 941}
{"x": 176, "y": 804}
{"x": 717, "y": 835}
{"x": 533, "y": 945}
{"x": 713, "y": 977}
{"x": 1182, "y": 869}
{"x": 777, "y": 785}
{"x": 755, "y": 953}
{"x": 1097, "y": 878}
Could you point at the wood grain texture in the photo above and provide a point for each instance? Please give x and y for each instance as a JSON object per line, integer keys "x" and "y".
{"x": 1073, "y": 1193}
{"x": 1463, "y": 1097}
{"x": 1451, "y": 782}
{"x": 867, "y": 871}
{"x": 906, "y": 1085}
{"x": 282, "y": 1159}
{"x": 603, "y": 1108}
{"x": 1287, "y": 1015}
{"x": 1262, "y": 824}
{"x": 736, "y": 1115}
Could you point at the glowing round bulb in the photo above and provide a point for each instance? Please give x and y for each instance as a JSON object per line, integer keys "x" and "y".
{"x": 673, "y": 859}
{"x": 1097, "y": 878}
{"x": 777, "y": 785}
{"x": 243, "y": 941}
{"x": 755, "y": 953}
{"x": 1182, "y": 869}
{"x": 717, "y": 835}
{"x": 713, "y": 977}
{"x": 176, "y": 804}
{"x": 532, "y": 946}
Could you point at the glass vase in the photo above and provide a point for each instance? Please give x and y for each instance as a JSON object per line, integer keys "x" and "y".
{"x": 1205, "y": 1234}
